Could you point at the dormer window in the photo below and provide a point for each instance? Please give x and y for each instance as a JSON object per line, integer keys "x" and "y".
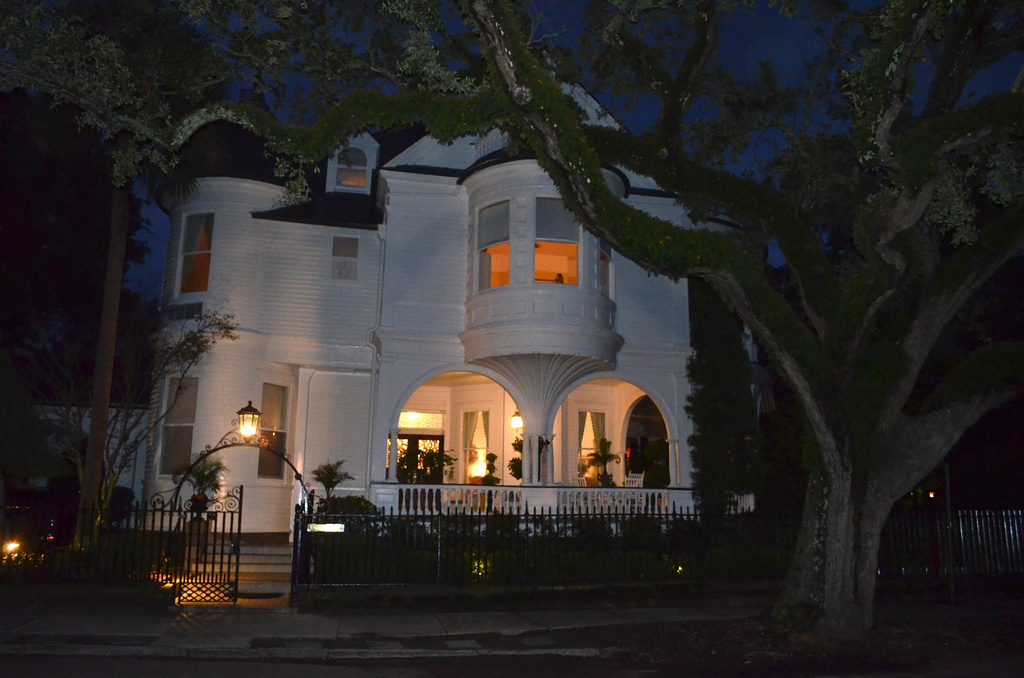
{"x": 351, "y": 172}
{"x": 557, "y": 244}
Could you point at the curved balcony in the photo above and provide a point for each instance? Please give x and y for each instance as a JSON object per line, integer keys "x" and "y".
{"x": 540, "y": 318}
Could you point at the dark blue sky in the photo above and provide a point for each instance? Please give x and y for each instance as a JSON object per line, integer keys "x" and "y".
{"x": 750, "y": 36}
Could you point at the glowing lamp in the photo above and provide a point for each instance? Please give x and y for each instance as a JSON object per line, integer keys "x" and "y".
{"x": 248, "y": 421}
{"x": 10, "y": 547}
{"x": 517, "y": 420}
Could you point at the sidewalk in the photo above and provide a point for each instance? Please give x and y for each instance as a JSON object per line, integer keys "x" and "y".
{"x": 403, "y": 624}
{"x": 269, "y": 629}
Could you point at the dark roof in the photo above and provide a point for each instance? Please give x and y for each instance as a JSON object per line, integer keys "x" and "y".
{"x": 500, "y": 156}
{"x": 353, "y": 210}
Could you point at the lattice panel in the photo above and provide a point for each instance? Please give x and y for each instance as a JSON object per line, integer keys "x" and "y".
{"x": 207, "y": 592}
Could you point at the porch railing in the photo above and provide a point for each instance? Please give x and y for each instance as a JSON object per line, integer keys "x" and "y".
{"x": 435, "y": 499}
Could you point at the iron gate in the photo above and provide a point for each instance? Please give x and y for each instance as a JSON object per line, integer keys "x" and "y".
{"x": 208, "y": 534}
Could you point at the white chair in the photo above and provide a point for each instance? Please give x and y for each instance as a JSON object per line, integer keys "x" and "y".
{"x": 581, "y": 481}
{"x": 635, "y": 480}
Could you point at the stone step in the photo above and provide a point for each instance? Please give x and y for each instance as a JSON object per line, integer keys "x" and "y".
{"x": 264, "y": 583}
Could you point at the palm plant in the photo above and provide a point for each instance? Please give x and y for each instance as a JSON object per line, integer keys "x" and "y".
{"x": 329, "y": 475}
{"x": 601, "y": 458}
{"x": 203, "y": 474}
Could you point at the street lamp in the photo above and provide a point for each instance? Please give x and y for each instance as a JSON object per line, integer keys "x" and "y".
{"x": 245, "y": 434}
{"x": 248, "y": 421}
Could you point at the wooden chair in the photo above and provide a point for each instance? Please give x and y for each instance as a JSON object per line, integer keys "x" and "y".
{"x": 634, "y": 480}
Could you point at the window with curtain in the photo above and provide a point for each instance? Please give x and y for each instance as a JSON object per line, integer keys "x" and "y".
{"x": 591, "y": 432}
{"x": 492, "y": 243}
{"x": 178, "y": 424}
{"x": 195, "y": 253}
{"x": 557, "y": 244}
{"x": 474, "y": 444}
{"x": 273, "y": 425}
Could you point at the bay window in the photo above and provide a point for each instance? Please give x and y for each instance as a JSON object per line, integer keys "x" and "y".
{"x": 493, "y": 246}
{"x": 557, "y": 244}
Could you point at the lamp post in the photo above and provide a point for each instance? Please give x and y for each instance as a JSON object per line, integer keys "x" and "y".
{"x": 246, "y": 433}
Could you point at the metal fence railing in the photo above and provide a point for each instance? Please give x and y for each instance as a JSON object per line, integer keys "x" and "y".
{"x": 193, "y": 547}
{"x": 152, "y": 544}
{"x": 963, "y": 543}
{"x": 538, "y": 547}
{"x": 139, "y": 545}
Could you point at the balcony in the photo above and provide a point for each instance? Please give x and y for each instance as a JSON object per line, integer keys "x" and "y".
{"x": 541, "y": 318}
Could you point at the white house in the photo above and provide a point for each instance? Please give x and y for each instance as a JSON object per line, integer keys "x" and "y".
{"x": 422, "y": 297}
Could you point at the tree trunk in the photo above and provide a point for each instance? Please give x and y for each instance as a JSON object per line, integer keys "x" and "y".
{"x": 830, "y": 586}
{"x": 92, "y": 476}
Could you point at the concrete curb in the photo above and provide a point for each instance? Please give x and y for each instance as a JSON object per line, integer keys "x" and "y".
{"x": 283, "y": 653}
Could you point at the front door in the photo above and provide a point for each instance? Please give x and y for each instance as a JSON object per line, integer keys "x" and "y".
{"x": 422, "y": 459}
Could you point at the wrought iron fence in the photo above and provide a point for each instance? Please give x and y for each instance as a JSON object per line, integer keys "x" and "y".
{"x": 140, "y": 545}
{"x": 964, "y": 543}
{"x": 537, "y": 547}
{"x": 193, "y": 547}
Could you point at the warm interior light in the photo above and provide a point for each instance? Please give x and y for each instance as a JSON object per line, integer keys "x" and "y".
{"x": 478, "y": 463}
{"x": 11, "y": 546}
{"x": 931, "y": 495}
{"x": 517, "y": 420}
{"x": 248, "y": 421}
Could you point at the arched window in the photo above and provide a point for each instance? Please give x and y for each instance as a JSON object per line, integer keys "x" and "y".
{"x": 351, "y": 172}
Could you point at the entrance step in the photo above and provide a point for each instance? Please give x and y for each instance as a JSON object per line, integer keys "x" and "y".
{"x": 251, "y": 584}
{"x": 265, "y": 559}
{"x": 264, "y": 569}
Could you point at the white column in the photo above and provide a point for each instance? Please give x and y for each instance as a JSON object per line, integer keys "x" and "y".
{"x": 393, "y": 461}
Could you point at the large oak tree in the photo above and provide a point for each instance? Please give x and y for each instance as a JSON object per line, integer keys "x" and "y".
{"x": 891, "y": 192}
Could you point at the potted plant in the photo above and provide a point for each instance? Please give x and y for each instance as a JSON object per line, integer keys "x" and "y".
{"x": 515, "y": 464}
{"x": 489, "y": 478}
{"x": 600, "y": 459}
{"x": 204, "y": 476}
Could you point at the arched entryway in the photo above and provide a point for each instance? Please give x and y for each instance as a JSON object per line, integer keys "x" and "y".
{"x": 615, "y": 411}
{"x": 647, "y": 447}
{"x": 457, "y": 428}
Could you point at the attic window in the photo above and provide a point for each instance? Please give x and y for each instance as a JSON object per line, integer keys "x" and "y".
{"x": 351, "y": 172}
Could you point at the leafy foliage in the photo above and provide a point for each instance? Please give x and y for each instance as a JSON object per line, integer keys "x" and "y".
{"x": 725, "y": 448}
{"x": 203, "y": 474}
{"x": 330, "y": 474}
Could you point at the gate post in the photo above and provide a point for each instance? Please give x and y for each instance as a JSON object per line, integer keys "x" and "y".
{"x": 301, "y": 555}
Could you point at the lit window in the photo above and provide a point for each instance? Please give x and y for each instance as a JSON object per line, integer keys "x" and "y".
{"x": 195, "y": 253}
{"x": 178, "y": 423}
{"x": 345, "y": 258}
{"x": 474, "y": 445}
{"x": 421, "y": 420}
{"x": 273, "y": 424}
{"x": 493, "y": 246}
{"x": 556, "y": 248}
{"x": 351, "y": 171}
{"x": 591, "y": 432}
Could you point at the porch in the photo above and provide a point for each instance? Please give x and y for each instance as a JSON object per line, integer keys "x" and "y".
{"x": 451, "y": 498}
